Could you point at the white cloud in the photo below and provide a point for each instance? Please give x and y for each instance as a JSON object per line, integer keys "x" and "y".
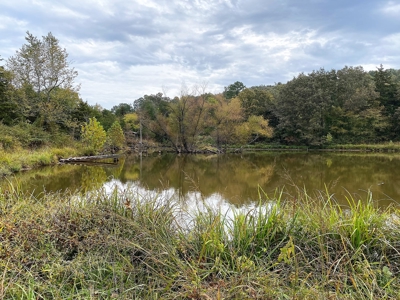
{"x": 393, "y": 41}
{"x": 392, "y": 8}
{"x": 112, "y": 85}
{"x": 62, "y": 11}
{"x": 125, "y": 49}
{"x": 94, "y": 49}
{"x": 9, "y": 22}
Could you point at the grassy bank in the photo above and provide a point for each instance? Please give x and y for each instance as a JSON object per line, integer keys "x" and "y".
{"x": 22, "y": 159}
{"x": 122, "y": 246}
{"x": 26, "y": 146}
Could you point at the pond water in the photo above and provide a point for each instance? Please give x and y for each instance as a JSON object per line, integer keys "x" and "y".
{"x": 231, "y": 178}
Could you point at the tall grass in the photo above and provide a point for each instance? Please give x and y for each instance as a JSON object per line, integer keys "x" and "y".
{"x": 17, "y": 160}
{"x": 25, "y": 145}
{"x": 123, "y": 245}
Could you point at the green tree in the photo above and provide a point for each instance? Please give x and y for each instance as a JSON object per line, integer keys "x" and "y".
{"x": 42, "y": 64}
{"x": 3, "y": 81}
{"x": 233, "y": 90}
{"x": 256, "y": 102}
{"x": 122, "y": 109}
{"x": 58, "y": 112}
{"x": 153, "y": 111}
{"x": 356, "y": 116}
{"x": 131, "y": 128}
{"x": 107, "y": 118}
{"x": 8, "y": 107}
{"x": 191, "y": 120}
{"x": 93, "y": 135}
{"x": 115, "y": 137}
{"x": 303, "y": 106}
{"x": 42, "y": 69}
{"x": 80, "y": 114}
{"x": 342, "y": 103}
{"x": 387, "y": 85}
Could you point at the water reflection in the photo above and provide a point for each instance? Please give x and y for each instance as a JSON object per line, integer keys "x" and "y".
{"x": 68, "y": 177}
{"x": 235, "y": 178}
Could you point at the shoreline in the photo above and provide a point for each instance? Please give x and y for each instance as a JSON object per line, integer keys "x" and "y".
{"x": 24, "y": 160}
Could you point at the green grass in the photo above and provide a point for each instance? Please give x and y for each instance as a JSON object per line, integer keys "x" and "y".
{"x": 19, "y": 159}
{"x": 25, "y": 146}
{"x": 124, "y": 245}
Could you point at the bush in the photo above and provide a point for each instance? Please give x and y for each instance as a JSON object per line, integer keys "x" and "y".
{"x": 93, "y": 135}
{"x": 24, "y": 135}
{"x": 7, "y": 142}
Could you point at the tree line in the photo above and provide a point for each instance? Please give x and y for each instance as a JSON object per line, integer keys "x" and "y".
{"x": 323, "y": 107}
{"x": 350, "y": 105}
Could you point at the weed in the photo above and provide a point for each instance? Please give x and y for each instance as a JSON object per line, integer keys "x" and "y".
{"x": 99, "y": 245}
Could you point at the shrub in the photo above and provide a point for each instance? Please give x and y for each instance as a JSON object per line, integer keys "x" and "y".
{"x": 93, "y": 135}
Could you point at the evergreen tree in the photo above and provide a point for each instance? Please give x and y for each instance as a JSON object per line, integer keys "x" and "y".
{"x": 234, "y": 89}
{"x": 389, "y": 98}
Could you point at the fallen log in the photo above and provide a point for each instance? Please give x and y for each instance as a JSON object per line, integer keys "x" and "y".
{"x": 89, "y": 158}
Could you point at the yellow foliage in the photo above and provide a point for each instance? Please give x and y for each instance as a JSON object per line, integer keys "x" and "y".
{"x": 115, "y": 136}
{"x": 132, "y": 121}
{"x": 93, "y": 135}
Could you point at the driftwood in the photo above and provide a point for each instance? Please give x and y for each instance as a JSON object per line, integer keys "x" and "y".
{"x": 88, "y": 158}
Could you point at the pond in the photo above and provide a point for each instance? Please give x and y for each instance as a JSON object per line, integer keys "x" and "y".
{"x": 235, "y": 179}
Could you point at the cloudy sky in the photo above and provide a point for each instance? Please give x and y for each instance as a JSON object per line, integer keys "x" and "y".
{"x": 124, "y": 49}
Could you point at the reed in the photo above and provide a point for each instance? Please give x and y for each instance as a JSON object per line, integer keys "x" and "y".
{"x": 120, "y": 244}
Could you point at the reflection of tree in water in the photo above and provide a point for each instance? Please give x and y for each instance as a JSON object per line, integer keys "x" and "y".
{"x": 50, "y": 179}
{"x": 345, "y": 173}
{"x": 93, "y": 177}
{"x": 234, "y": 177}
{"x": 131, "y": 169}
{"x": 116, "y": 169}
